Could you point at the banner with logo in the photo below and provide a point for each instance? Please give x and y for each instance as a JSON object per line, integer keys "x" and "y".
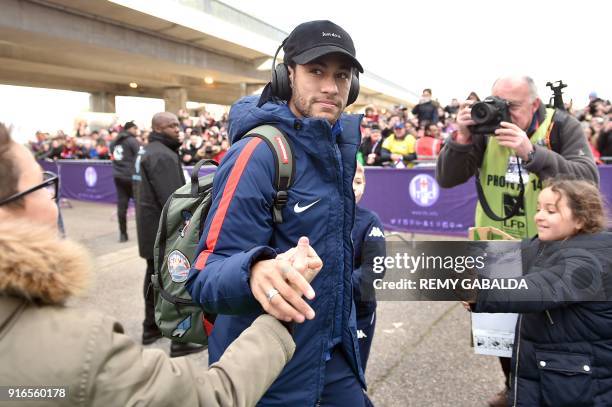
{"x": 407, "y": 200}
{"x": 49, "y": 165}
{"x": 87, "y": 180}
{"x": 412, "y": 201}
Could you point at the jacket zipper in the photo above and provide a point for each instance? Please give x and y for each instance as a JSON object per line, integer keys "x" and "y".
{"x": 518, "y": 346}
{"x": 546, "y": 311}
{"x": 518, "y": 351}
{"x": 549, "y": 317}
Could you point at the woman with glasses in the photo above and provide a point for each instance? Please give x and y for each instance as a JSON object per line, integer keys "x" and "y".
{"x": 38, "y": 186}
{"x": 82, "y": 357}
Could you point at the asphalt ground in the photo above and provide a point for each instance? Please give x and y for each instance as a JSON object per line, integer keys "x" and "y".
{"x": 421, "y": 354}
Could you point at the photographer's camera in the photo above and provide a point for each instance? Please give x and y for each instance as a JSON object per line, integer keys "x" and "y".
{"x": 488, "y": 115}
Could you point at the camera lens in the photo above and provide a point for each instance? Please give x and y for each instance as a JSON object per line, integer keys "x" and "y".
{"x": 482, "y": 113}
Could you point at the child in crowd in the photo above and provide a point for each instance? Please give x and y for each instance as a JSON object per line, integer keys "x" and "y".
{"x": 368, "y": 241}
{"x": 562, "y": 352}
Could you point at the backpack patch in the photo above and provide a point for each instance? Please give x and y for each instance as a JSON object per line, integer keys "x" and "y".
{"x": 178, "y": 266}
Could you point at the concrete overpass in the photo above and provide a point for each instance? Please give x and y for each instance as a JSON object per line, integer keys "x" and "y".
{"x": 178, "y": 50}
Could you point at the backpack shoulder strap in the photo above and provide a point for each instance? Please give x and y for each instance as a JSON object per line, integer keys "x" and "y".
{"x": 285, "y": 165}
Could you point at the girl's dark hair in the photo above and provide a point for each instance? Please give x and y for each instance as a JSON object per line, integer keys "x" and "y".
{"x": 9, "y": 171}
{"x": 584, "y": 200}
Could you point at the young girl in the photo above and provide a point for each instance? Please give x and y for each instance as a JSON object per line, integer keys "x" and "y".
{"x": 562, "y": 352}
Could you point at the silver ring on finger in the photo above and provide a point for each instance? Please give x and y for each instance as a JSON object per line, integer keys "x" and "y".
{"x": 271, "y": 293}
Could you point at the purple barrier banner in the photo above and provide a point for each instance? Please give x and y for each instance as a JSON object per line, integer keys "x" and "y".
{"x": 92, "y": 180}
{"x": 48, "y": 165}
{"x": 205, "y": 170}
{"x": 407, "y": 200}
{"x": 605, "y": 186}
{"x": 410, "y": 200}
{"x": 87, "y": 180}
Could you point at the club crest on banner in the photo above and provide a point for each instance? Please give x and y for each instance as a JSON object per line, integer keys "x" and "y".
{"x": 424, "y": 190}
{"x": 91, "y": 177}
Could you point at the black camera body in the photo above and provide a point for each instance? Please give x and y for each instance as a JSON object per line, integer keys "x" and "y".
{"x": 488, "y": 114}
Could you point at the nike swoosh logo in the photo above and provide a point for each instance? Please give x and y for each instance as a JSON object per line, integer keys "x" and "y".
{"x": 299, "y": 209}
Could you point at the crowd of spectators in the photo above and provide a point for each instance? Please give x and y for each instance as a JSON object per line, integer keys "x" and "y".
{"x": 403, "y": 137}
{"x": 596, "y": 120}
{"x": 203, "y": 137}
{"x": 400, "y": 137}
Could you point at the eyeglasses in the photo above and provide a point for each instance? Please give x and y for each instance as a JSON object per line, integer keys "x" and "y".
{"x": 50, "y": 183}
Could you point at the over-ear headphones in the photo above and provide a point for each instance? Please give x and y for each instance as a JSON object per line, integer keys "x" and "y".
{"x": 281, "y": 85}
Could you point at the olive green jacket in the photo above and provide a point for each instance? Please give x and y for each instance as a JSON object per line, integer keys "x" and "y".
{"x": 44, "y": 343}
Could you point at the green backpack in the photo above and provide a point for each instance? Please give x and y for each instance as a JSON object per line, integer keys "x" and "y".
{"x": 180, "y": 229}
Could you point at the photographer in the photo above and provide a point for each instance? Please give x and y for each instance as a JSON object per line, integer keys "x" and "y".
{"x": 548, "y": 142}
{"x": 532, "y": 143}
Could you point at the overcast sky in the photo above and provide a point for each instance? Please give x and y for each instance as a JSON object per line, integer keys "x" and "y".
{"x": 455, "y": 47}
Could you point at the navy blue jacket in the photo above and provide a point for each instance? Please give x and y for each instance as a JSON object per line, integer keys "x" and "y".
{"x": 369, "y": 242}
{"x": 562, "y": 352}
{"x": 239, "y": 231}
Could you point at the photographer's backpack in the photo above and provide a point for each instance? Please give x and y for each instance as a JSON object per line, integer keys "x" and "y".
{"x": 180, "y": 229}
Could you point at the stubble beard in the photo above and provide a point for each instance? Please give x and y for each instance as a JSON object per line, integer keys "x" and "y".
{"x": 301, "y": 104}
{"x": 305, "y": 106}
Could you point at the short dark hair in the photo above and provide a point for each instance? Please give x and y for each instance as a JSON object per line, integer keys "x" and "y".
{"x": 9, "y": 170}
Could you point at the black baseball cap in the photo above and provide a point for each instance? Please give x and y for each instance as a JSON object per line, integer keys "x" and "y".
{"x": 311, "y": 40}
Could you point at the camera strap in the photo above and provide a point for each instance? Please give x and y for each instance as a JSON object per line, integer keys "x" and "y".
{"x": 485, "y": 205}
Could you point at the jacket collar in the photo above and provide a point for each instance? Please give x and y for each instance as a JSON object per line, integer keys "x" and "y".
{"x": 587, "y": 241}
{"x": 169, "y": 142}
{"x": 538, "y": 117}
{"x": 124, "y": 135}
{"x": 36, "y": 265}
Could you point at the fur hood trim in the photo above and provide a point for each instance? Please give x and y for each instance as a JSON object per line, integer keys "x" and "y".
{"x": 37, "y": 265}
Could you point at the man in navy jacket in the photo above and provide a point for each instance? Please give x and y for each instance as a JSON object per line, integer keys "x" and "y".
{"x": 237, "y": 274}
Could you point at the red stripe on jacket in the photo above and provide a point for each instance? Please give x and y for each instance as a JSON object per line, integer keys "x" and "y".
{"x": 226, "y": 199}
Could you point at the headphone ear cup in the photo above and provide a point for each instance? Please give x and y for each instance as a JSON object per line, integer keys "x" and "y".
{"x": 354, "y": 90}
{"x": 281, "y": 87}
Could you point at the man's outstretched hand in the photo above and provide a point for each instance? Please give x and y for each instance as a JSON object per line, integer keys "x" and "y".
{"x": 279, "y": 284}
